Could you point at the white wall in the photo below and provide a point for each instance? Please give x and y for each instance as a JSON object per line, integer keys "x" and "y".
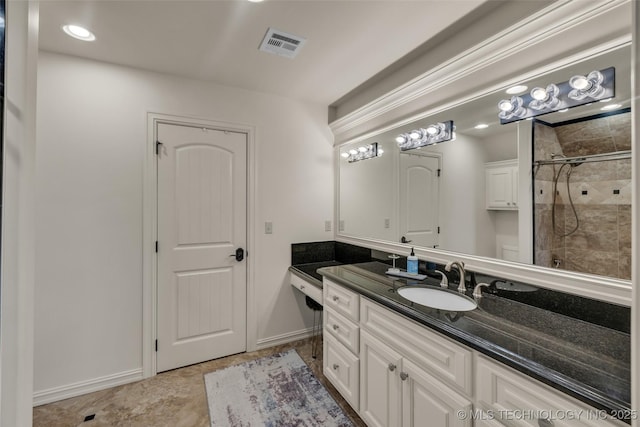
{"x": 92, "y": 127}
{"x": 18, "y": 211}
{"x": 465, "y": 224}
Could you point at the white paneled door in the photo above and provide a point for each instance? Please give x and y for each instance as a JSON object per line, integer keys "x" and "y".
{"x": 202, "y": 230}
{"x": 419, "y": 199}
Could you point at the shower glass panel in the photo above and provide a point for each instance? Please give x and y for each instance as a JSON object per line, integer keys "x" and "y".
{"x": 582, "y": 194}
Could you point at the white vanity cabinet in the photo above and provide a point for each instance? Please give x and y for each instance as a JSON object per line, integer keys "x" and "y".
{"x": 399, "y": 362}
{"x": 501, "y": 181}
{"x": 515, "y": 399}
{"x": 396, "y": 372}
{"x": 341, "y": 342}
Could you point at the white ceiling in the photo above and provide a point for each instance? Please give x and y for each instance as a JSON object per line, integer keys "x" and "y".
{"x": 348, "y": 42}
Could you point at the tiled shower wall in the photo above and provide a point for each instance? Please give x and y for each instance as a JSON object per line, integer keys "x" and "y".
{"x": 601, "y": 195}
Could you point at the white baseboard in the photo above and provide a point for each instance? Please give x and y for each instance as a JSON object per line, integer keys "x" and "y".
{"x": 283, "y": 338}
{"x": 83, "y": 387}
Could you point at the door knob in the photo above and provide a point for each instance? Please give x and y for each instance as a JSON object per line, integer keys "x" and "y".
{"x": 239, "y": 255}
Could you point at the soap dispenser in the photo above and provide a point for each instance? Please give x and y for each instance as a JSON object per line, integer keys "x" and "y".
{"x": 412, "y": 263}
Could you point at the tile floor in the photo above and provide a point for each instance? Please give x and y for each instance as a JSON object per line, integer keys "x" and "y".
{"x": 175, "y": 398}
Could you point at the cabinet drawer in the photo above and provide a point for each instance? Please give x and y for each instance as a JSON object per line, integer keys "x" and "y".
{"x": 445, "y": 359}
{"x": 342, "y": 368}
{"x": 307, "y": 288}
{"x": 518, "y": 400}
{"x": 342, "y": 300}
{"x": 343, "y": 330}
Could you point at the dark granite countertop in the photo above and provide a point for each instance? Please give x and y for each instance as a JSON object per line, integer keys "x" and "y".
{"x": 587, "y": 361}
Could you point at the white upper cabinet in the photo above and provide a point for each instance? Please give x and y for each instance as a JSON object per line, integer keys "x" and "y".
{"x": 502, "y": 185}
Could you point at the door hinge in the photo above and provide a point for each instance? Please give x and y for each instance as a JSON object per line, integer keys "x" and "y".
{"x": 156, "y": 246}
{"x": 156, "y": 345}
{"x": 158, "y": 144}
{"x": 438, "y": 229}
{"x": 439, "y": 170}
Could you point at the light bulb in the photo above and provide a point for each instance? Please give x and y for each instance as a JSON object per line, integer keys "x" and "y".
{"x": 505, "y": 105}
{"x": 362, "y": 149}
{"x": 353, "y": 152}
{"x": 345, "y": 154}
{"x": 539, "y": 94}
{"x": 415, "y": 134}
{"x": 579, "y": 82}
{"x": 380, "y": 151}
{"x": 433, "y": 130}
{"x": 400, "y": 139}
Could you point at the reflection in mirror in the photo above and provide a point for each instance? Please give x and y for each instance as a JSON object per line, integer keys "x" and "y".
{"x": 367, "y": 195}
{"x": 475, "y": 195}
{"x": 582, "y": 190}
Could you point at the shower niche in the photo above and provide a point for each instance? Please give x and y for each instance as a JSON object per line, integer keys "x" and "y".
{"x": 582, "y": 194}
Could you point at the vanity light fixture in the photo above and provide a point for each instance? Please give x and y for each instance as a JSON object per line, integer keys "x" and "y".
{"x": 432, "y": 134}
{"x": 78, "y": 32}
{"x": 362, "y": 153}
{"x": 579, "y": 90}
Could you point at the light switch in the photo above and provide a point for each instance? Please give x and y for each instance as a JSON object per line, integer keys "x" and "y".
{"x": 341, "y": 225}
{"x": 387, "y": 223}
{"x": 327, "y": 226}
{"x": 268, "y": 227}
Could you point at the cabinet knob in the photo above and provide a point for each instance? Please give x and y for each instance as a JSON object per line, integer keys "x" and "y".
{"x": 301, "y": 287}
{"x": 404, "y": 376}
{"x": 336, "y": 298}
{"x": 545, "y": 422}
{"x": 392, "y": 367}
{"x": 336, "y": 327}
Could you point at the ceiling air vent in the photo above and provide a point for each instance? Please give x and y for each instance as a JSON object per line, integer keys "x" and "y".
{"x": 281, "y": 43}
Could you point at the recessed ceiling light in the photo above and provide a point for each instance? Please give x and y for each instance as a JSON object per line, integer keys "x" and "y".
{"x": 517, "y": 89}
{"x": 611, "y": 107}
{"x": 79, "y": 33}
{"x": 481, "y": 126}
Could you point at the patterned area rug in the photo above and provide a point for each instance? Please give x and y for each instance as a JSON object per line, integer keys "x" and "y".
{"x": 275, "y": 391}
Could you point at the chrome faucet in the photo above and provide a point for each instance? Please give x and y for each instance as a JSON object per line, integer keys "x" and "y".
{"x": 460, "y": 266}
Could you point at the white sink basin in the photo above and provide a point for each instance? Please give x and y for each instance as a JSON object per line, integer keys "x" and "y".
{"x": 438, "y": 298}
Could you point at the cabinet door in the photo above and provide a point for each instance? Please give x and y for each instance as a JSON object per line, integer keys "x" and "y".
{"x": 379, "y": 383}
{"x": 427, "y": 401}
{"x": 499, "y": 183}
{"x": 342, "y": 369}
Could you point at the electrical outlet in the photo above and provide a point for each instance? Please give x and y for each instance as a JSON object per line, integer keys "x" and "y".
{"x": 387, "y": 223}
{"x": 268, "y": 227}
{"x": 341, "y": 225}
{"x": 327, "y": 226}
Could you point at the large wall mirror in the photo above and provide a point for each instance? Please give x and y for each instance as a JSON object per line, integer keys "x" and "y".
{"x": 554, "y": 191}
